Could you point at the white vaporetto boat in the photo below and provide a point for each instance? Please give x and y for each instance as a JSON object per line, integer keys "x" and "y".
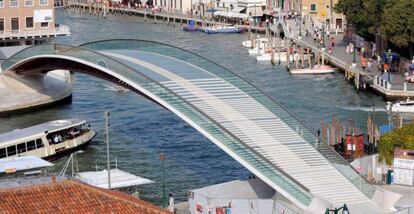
{"x": 46, "y": 140}
{"x": 405, "y": 106}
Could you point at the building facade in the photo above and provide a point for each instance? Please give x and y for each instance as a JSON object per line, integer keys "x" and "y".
{"x": 28, "y": 22}
{"x": 177, "y": 6}
{"x": 322, "y": 12}
{"x": 286, "y": 5}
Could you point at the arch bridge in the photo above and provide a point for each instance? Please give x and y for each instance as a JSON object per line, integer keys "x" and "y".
{"x": 240, "y": 119}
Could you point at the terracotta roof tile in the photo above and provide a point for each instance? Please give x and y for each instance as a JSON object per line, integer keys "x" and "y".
{"x": 70, "y": 196}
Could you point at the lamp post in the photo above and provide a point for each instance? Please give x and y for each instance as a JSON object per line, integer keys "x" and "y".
{"x": 374, "y": 143}
{"x": 344, "y": 209}
{"x": 300, "y": 21}
{"x": 164, "y": 197}
{"x": 106, "y": 115}
{"x": 323, "y": 36}
{"x": 389, "y": 60}
{"x": 354, "y": 58}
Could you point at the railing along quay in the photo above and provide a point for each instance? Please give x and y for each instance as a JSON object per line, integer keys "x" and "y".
{"x": 56, "y": 31}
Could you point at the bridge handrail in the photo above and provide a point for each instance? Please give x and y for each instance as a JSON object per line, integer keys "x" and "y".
{"x": 10, "y": 62}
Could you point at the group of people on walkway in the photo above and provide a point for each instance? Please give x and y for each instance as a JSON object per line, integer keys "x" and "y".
{"x": 319, "y": 39}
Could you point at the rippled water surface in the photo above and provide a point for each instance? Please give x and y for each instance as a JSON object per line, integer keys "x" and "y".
{"x": 140, "y": 129}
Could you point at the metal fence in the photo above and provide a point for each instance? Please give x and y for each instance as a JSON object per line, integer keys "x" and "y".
{"x": 406, "y": 210}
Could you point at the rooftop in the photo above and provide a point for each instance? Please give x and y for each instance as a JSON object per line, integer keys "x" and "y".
{"x": 70, "y": 196}
{"x": 119, "y": 179}
{"x": 23, "y": 163}
{"x": 50, "y": 126}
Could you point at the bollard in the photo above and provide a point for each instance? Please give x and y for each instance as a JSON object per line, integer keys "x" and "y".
{"x": 405, "y": 86}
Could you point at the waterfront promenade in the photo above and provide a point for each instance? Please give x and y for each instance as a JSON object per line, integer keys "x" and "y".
{"x": 396, "y": 88}
{"x": 149, "y": 15}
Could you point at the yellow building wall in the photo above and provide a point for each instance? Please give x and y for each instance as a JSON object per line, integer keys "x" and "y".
{"x": 324, "y": 13}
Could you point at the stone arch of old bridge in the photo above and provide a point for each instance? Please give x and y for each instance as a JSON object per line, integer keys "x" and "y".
{"x": 243, "y": 121}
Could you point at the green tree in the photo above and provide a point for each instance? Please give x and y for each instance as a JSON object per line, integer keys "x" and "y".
{"x": 373, "y": 10}
{"x": 351, "y": 9}
{"x": 402, "y": 138}
{"x": 398, "y": 23}
{"x": 354, "y": 13}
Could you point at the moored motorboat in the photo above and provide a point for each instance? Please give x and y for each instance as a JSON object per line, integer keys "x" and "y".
{"x": 46, "y": 140}
{"x": 255, "y": 51}
{"x": 259, "y": 42}
{"x": 317, "y": 69}
{"x": 404, "y": 106}
{"x": 223, "y": 29}
{"x": 191, "y": 28}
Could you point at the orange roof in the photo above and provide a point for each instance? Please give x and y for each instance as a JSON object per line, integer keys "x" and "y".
{"x": 69, "y": 196}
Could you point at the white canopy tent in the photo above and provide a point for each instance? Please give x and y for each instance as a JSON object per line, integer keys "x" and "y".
{"x": 231, "y": 14}
{"x": 119, "y": 179}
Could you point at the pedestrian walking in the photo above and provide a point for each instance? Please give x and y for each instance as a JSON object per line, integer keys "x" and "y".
{"x": 333, "y": 41}
{"x": 386, "y": 67}
{"x": 364, "y": 63}
{"x": 363, "y": 51}
{"x": 369, "y": 65}
{"x": 374, "y": 49}
{"x": 171, "y": 203}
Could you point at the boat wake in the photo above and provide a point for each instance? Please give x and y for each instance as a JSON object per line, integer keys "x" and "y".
{"x": 361, "y": 108}
{"x": 114, "y": 88}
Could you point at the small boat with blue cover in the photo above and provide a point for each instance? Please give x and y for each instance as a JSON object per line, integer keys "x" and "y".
{"x": 191, "y": 26}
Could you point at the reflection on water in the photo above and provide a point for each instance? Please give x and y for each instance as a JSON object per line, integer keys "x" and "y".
{"x": 140, "y": 129}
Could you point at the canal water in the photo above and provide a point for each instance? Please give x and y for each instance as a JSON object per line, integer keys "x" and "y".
{"x": 140, "y": 129}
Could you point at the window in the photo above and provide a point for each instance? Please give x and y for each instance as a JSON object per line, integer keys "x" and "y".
{"x": 21, "y": 148}
{"x": 29, "y": 22}
{"x": 39, "y": 143}
{"x": 31, "y": 145}
{"x": 11, "y": 150}
{"x": 43, "y": 2}
{"x": 44, "y": 24}
{"x": 1, "y": 24}
{"x": 313, "y": 8}
{"x": 1, "y": 3}
{"x": 15, "y": 24}
{"x": 3, "y": 153}
{"x": 14, "y": 3}
{"x": 28, "y": 3}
